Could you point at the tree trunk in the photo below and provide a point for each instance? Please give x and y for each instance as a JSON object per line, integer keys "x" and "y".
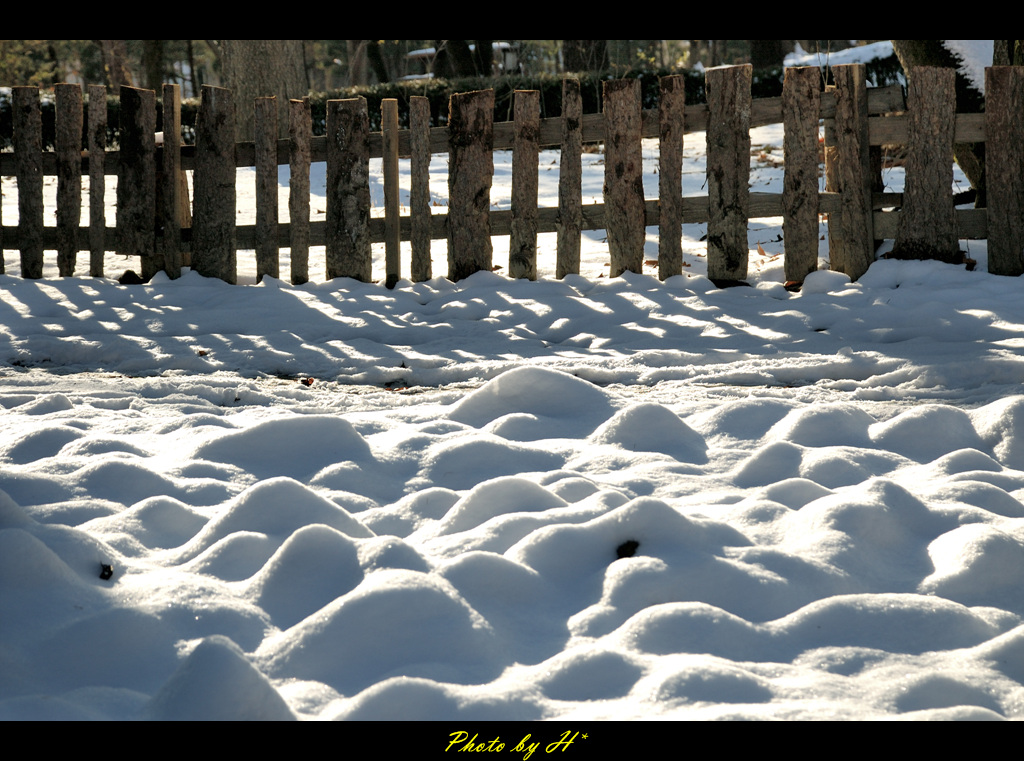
{"x": 585, "y": 55}
{"x": 257, "y": 68}
{"x": 767, "y": 54}
{"x": 969, "y": 156}
{"x": 114, "y": 54}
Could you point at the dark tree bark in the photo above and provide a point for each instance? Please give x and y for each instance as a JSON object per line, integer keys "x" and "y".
{"x": 373, "y": 55}
{"x": 114, "y": 54}
{"x": 483, "y": 57}
{"x": 257, "y": 68}
{"x": 767, "y": 54}
{"x": 585, "y": 55}
{"x": 969, "y": 156}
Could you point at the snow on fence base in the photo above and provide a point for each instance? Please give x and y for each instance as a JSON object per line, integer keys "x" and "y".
{"x": 153, "y": 219}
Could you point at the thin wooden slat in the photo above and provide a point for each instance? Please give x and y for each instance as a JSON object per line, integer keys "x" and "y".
{"x": 172, "y": 185}
{"x": 470, "y": 172}
{"x": 28, "y": 147}
{"x": 1004, "y": 151}
{"x": 848, "y": 171}
{"x": 728, "y": 171}
{"x": 419, "y": 191}
{"x": 800, "y": 107}
{"x": 136, "y": 179}
{"x": 570, "y": 179}
{"x": 265, "y": 133}
{"x": 671, "y": 109}
{"x": 389, "y": 166}
{"x": 348, "y": 190}
{"x": 623, "y": 176}
{"x": 68, "y": 147}
{"x": 97, "y": 145}
{"x": 522, "y": 250}
{"x": 213, "y": 213}
{"x": 300, "y": 130}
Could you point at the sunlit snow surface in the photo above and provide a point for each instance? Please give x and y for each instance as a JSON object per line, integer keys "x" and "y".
{"x": 338, "y": 501}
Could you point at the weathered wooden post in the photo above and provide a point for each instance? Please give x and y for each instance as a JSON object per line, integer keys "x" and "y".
{"x": 570, "y": 178}
{"x": 97, "y": 145}
{"x": 136, "y": 179}
{"x": 848, "y": 171}
{"x": 728, "y": 162}
{"x": 419, "y": 190}
{"x": 671, "y": 127}
{"x": 470, "y": 171}
{"x": 927, "y": 225}
{"x": 801, "y": 105}
{"x": 300, "y": 130}
{"x": 265, "y": 132}
{"x": 522, "y": 250}
{"x": 213, "y": 215}
{"x": 172, "y": 190}
{"x": 389, "y": 166}
{"x": 28, "y": 151}
{"x": 348, "y": 190}
{"x": 1004, "y": 168}
{"x": 623, "y": 176}
{"x": 68, "y": 147}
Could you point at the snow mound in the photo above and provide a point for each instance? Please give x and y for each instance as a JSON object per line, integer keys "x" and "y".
{"x": 652, "y": 428}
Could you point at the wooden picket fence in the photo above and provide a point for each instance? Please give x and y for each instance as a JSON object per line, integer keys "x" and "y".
{"x": 152, "y": 219}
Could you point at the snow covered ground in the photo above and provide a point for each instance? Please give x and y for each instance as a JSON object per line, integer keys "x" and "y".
{"x": 582, "y": 499}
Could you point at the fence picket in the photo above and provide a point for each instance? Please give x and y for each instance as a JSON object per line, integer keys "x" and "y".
{"x": 348, "y": 190}
{"x": 848, "y": 171}
{"x": 213, "y": 213}
{"x": 623, "y": 176}
{"x": 97, "y": 146}
{"x": 522, "y": 249}
{"x": 470, "y": 171}
{"x": 28, "y": 147}
{"x": 570, "y": 181}
{"x": 136, "y": 178}
{"x": 68, "y": 150}
{"x": 172, "y": 187}
{"x": 300, "y": 129}
{"x": 1004, "y": 168}
{"x": 265, "y": 133}
{"x": 671, "y": 128}
{"x": 392, "y": 231}
{"x": 927, "y": 227}
{"x": 728, "y": 146}
{"x": 419, "y": 191}
{"x": 801, "y": 104}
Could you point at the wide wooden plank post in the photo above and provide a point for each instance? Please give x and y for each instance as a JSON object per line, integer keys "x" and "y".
{"x": 1004, "y": 168}
{"x": 522, "y": 250}
{"x": 623, "y": 176}
{"x": 389, "y": 169}
{"x": 172, "y": 190}
{"x": 265, "y": 133}
{"x": 470, "y": 172}
{"x": 848, "y": 171}
{"x": 213, "y": 210}
{"x": 136, "y": 179}
{"x": 68, "y": 149}
{"x": 348, "y": 190}
{"x": 728, "y": 171}
{"x": 801, "y": 104}
{"x": 671, "y": 107}
{"x": 28, "y": 151}
{"x": 570, "y": 181}
{"x": 927, "y": 226}
{"x": 419, "y": 190}
{"x": 97, "y": 146}
{"x": 300, "y": 130}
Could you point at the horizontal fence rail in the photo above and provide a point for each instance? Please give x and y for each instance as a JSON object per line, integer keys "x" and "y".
{"x": 157, "y": 222}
